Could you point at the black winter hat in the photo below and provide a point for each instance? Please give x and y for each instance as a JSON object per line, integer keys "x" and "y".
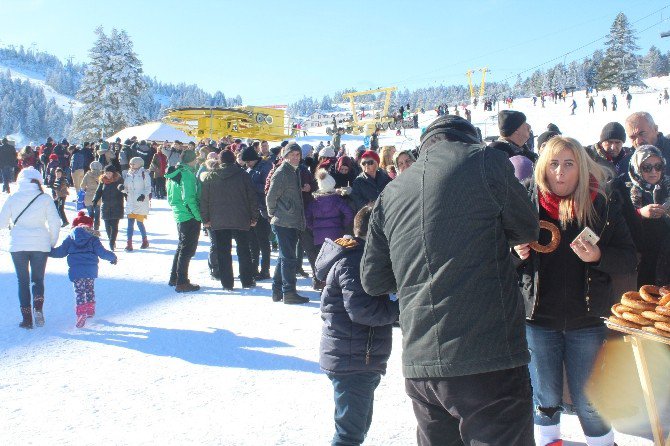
{"x": 544, "y": 137}
{"x": 64, "y": 142}
{"x": 613, "y": 130}
{"x": 551, "y": 127}
{"x": 110, "y": 168}
{"x": 249, "y": 154}
{"x": 509, "y": 121}
{"x": 226, "y": 157}
{"x": 457, "y": 128}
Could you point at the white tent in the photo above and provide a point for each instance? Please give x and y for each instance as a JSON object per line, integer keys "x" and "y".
{"x": 152, "y": 131}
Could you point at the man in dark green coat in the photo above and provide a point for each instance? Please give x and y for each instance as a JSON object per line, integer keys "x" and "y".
{"x": 183, "y": 193}
{"x": 440, "y": 237}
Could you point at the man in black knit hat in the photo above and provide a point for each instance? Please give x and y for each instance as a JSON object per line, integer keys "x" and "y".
{"x": 609, "y": 150}
{"x": 514, "y": 132}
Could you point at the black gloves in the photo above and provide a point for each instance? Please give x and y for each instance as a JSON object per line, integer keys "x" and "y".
{"x": 141, "y": 198}
{"x": 120, "y": 187}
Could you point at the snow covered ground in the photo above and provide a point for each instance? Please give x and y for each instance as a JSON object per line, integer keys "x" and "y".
{"x": 156, "y": 367}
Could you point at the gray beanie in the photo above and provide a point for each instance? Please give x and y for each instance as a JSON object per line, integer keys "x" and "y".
{"x": 96, "y": 165}
{"x": 292, "y": 147}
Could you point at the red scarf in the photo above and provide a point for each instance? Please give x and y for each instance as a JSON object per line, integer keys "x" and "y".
{"x": 550, "y": 201}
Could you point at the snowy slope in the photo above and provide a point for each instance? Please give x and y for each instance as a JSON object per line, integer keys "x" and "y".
{"x": 65, "y": 102}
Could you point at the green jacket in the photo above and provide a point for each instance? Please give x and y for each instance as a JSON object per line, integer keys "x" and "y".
{"x": 183, "y": 192}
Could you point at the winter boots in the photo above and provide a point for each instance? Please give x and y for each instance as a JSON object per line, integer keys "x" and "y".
{"x": 293, "y": 298}
{"x": 90, "y": 309}
{"x": 81, "y": 315}
{"x": 38, "y": 304}
{"x": 27, "y": 314}
{"x": 277, "y": 295}
{"x": 145, "y": 243}
{"x": 129, "y": 246}
{"x": 186, "y": 287}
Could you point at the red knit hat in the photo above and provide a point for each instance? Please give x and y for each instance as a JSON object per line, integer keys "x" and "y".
{"x": 53, "y": 156}
{"x": 370, "y": 154}
{"x": 82, "y": 220}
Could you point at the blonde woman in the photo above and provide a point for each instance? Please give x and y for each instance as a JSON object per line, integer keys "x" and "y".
{"x": 568, "y": 290}
{"x": 386, "y": 162}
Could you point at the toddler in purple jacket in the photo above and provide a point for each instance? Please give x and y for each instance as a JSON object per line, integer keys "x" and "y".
{"x": 328, "y": 214}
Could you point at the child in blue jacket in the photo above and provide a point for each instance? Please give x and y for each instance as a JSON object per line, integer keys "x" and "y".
{"x": 82, "y": 248}
{"x": 357, "y": 332}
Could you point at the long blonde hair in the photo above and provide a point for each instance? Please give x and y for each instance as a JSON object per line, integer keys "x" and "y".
{"x": 386, "y": 158}
{"x": 578, "y": 207}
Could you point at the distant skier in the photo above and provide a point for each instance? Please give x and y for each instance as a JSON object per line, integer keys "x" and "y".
{"x": 629, "y": 97}
{"x": 592, "y": 103}
{"x": 614, "y": 102}
{"x": 604, "y": 101}
{"x": 665, "y": 95}
{"x": 573, "y": 106}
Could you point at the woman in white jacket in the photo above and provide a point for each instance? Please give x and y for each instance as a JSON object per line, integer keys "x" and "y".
{"x": 137, "y": 187}
{"x": 35, "y": 227}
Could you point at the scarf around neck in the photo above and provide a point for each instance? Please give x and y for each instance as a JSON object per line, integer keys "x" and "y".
{"x": 550, "y": 202}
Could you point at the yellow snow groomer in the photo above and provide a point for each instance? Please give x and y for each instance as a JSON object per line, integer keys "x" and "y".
{"x": 264, "y": 123}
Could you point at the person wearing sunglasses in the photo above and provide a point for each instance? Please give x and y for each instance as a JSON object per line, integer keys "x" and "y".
{"x": 642, "y": 130}
{"x": 371, "y": 182}
{"x": 646, "y": 198}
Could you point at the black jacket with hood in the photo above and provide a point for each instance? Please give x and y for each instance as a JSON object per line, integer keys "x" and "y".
{"x": 440, "y": 235}
{"x": 357, "y": 327}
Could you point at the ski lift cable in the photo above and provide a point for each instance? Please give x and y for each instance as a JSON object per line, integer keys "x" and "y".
{"x": 564, "y": 55}
{"x": 507, "y": 48}
{"x": 580, "y": 48}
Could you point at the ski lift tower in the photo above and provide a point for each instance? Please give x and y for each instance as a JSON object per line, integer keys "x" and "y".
{"x": 481, "y": 86}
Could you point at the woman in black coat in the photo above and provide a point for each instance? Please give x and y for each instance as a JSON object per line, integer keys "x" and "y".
{"x": 568, "y": 290}
{"x": 112, "y": 210}
{"x": 645, "y": 191}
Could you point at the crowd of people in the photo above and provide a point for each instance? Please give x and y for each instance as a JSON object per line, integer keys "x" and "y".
{"x": 441, "y": 239}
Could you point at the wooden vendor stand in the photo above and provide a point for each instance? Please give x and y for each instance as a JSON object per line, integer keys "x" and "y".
{"x": 637, "y": 339}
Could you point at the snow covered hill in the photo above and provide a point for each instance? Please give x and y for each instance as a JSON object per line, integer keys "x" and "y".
{"x": 67, "y": 103}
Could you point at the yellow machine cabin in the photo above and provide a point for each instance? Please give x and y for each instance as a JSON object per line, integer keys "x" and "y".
{"x": 242, "y": 122}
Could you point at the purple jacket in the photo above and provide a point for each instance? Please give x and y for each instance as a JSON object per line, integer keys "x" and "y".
{"x": 327, "y": 216}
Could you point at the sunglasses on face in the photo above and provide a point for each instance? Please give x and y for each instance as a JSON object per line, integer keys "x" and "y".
{"x": 368, "y": 162}
{"x": 647, "y": 168}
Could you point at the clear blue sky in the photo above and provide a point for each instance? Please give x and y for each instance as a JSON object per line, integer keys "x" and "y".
{"x": 274, "y": 52}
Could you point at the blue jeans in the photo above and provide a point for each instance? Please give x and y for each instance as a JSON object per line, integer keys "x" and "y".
{"x": 287, "y": 263}
{"x": 131, "y": 229}
{"x": 30, "y": 267}
{"x": 549, "y": 351}
{"x": 7, "y": 173}
{"x": 354, "y": 398}
{"x": 94, "y": 213}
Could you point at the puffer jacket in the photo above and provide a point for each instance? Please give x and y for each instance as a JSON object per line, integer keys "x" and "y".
{"x": 440, "y": 234}
{"x": 38, "y": 227}
{"x": 617, "y": 257}
{"x": 183, "y": 191}
{"x": 112, "y": 198}
{"x": 136, "y": 184}
{"x": 327, "y": 216}
{"x": 284, "y": 198}
{"x": 357, "y": 327}
{"x": 89, "y": 184}
{"x": 228, "y": 199}
{"x": 82, "y": 248}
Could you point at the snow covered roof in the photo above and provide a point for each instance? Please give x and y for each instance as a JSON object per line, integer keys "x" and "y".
{"x": 152, "y": 131}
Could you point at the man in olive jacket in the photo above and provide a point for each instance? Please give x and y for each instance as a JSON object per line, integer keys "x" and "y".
{"x": 229, "y": 207}
{"x": 440, "y": 237}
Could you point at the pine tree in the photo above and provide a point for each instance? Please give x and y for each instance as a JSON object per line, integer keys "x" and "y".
{"x": 653, "y": 63}
{"x": 111, "y": 88}
{"x": 619, "y": 67}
